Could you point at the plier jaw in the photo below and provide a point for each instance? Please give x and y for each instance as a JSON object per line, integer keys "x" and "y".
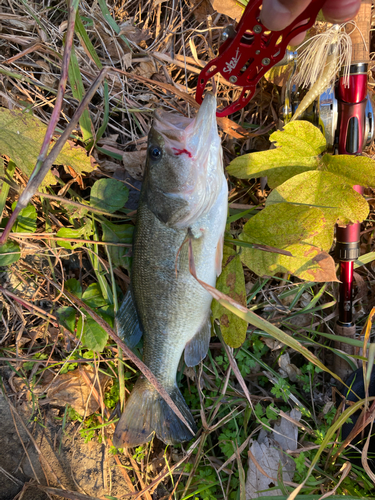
{"x": 250, "y": 50}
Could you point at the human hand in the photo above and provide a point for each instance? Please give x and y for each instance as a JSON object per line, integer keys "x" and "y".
{"x": 278, "y": 14}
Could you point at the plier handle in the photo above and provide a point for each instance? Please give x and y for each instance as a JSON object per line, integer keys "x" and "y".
{"x": 250, "y": 50}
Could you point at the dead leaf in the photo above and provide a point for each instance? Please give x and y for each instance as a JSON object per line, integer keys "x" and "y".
{"x": 229, "y": 8}
{"x": 286, "y": 433}
{"x": 109, "y": 166}
{"x": 127, "y": 60}
{"x": 203, "y": 9}
{"x": 134, "y": 163}
{"x": 266, "y": 461}
{"x": 70, "y": 388}
{"x": 145, "y": 69}
{"x": 273, "y": 344}
{"x": 110, "y": 140}
{"x": 133, "y": 33}
{"x": 288, "y": 369}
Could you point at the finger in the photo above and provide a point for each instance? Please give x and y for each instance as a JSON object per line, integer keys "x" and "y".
{"x": 278, "y": 14}
{"x": 339, "y": 11}
{"x": 297, "y": 40}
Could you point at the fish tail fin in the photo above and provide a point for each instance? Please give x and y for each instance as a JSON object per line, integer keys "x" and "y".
{"x": 147, "y": 413}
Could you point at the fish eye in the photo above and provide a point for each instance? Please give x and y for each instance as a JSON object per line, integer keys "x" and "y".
{"x": 155, "y": 153}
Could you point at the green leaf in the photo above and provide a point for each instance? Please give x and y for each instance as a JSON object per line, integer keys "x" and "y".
{"x": 67, "y": 317}
{"x": 83, "y": 232}
{"x": 108, "y": 314}
{"x": 109, "y": 195}
{"x": 93, "y": 296}
{"x": 231, "y": 282}
{"x": 94, "y": 337}
{"x": 301, "y": 230}
{"x": 118, "y": 233}
{"x": 358, "y": 170}
{"x": 73, "y": 286}
{"x": 26, "y": 221}
{"x": 21, "y": 137}
{"x": 330, "y": 193}
{"x": 9, "y": 252}
{"x": 297, "y": 149}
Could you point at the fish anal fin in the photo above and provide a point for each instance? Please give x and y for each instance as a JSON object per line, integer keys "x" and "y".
{"x": 127, "y": 322}
{"x": 146, "y": 413}
{"x": 196, "y": 349}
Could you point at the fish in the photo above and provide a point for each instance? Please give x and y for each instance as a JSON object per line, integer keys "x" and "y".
{"x": 184, "y": 197}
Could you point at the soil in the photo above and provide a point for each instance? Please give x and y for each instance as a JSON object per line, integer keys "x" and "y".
{"x": 65, "y": 461}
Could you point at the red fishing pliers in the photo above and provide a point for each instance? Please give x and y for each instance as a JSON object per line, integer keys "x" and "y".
{"x": 250, "y": 50}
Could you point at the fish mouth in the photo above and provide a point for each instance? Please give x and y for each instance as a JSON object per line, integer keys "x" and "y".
{"x": 204, "y": 124}
{"x": 188, "y": 135}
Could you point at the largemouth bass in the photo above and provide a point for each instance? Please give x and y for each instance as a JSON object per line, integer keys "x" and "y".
{"x": 183, "y": 196}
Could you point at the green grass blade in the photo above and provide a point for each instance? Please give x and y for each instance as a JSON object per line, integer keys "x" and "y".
{"x": 86, "y": 42}
{"x": 89, "y": 48}
{"x": 111, "y": 21}
{"x": 78, "y": 91}
{"x": 4, "y": 186}
{"x": 103, "y": 126}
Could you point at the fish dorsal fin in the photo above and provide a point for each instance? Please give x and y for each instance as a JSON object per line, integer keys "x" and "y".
{"x": 196, "y": 349}
{"x": 127, "y": 322}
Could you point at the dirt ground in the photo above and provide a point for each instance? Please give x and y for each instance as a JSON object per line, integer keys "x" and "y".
{"x": 49, "y": 456}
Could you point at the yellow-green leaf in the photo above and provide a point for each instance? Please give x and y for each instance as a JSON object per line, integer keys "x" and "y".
{"x": 301, "y": 230}
{"x": 21, "y": 137}
{"x": 284, "y": 224}
{"x": 307, "y": 262}
{"x": 358, "y": 170}
{"x": 326, "y": 191}
{"x": 297, "y": 149}
{"x": 231, "y": 282}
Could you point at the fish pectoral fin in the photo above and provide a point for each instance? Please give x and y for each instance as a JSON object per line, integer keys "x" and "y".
{"x": 127, "y": 322}
{"x": 196, "y": 349}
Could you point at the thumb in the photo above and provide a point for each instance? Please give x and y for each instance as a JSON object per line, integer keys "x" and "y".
{"x": 278, "y": 14}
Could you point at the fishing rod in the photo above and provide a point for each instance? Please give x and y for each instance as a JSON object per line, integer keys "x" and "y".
{"x": 354, "y": 131}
